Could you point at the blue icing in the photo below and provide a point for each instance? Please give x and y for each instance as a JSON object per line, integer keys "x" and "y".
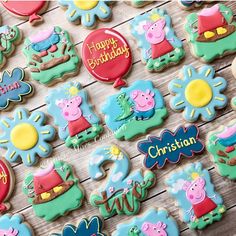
{"x": 15, "y": 225}
{"x": 64, "y": 93}
{"x": 170, "y": 146}
{"x": 191, "y": 112}
{"x": 85, "y": 228}
{"x": 151, "y": 216}
{"x": 119, "y": 178}
{"x": 189, "y": 3}
{"x": 88, "y": 17}
{"x": 12, "y": 87}
{"x": 4, "y": 29}
{"x": 138, "y": 32}
{"x": 189, "y": 173}
{"x": 47, "y": 43}
{"x": 112, "y": 104}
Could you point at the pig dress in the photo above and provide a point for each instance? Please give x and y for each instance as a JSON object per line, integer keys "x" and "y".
{"x": 77, "y": 126}
{"x": 161, "y": 49}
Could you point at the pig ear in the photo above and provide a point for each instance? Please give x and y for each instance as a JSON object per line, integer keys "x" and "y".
{"x": 145, "y": 227}
{"x": 202, "y": 181}
{"x": 78, "y": 99}
{"x": 186, "y": 185}
{"x": 61, "y": 103}
{"x": 148, "y": 91}
{"x": 163, "y": 226}
{"x": 162, "y": 23}
{"x": 134, "y": 94}
{"x": 159, "y": 224}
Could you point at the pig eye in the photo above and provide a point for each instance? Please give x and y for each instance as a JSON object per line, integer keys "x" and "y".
{"x": 152, "y": 28}
{"x": 192, "y": 189}
{"x": 155, "y": 24}
{"x": 154, "y": 228}
{"x": 67, "y": 105}
{"x": 142, "y": 95}
{"x": 71, "y": 102}
{"x": 195, "y": 185}
{"x": 146, "y": 98}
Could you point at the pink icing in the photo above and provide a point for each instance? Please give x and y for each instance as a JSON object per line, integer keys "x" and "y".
{"x": 157, "y": 229}
{"x": 229, "y": 131}
{"x": 44, "y": 172}
{"x": 9, "y": 232}
{"x": 42, "y": 35}
{"x": 209, "y": 11}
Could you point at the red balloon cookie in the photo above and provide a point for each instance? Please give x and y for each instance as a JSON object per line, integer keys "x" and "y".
{"x": 7, "y": 181}
{"x": 107, "y": 56}
{"x": 28, "y": 9}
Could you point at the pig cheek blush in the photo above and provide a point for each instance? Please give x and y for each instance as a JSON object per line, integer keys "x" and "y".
{"x": 221, "y": 146}
{"x": 47, "y": 65}
{"x": 196, "y": 212}
{"x": 127, "y": 118}
{"x": 211, "y": 32}
{"x": 53, "y": 191}
{"x": 85, "y": 227}
{"x": 79, "y": 124}
{"x": 156, "y": 39}
{"x": 198, "y": 93}
{"x": 123, "y": 191}
{"x": 104, "y": 49}
{"x": 151, "y": 222}
{"x": 170, "y": 146}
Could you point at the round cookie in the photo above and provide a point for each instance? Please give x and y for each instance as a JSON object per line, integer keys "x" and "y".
{"x": 104, "y": 49}
{"x": 26, "y": 137}
{"x": 123, "y": 191}
{"x": 198, "y": 93}
{"x": 29, "y": 10}
{"x": 53, "y": 191}
{"x": 13, "y": 88}
{"x": 87, "y": 12}
{"x": 199, "y": 204}
{"x": 7, "y": 184}
{"x": 14, "y": 225}
{"x": 211, "y": 32}
{"x": 51, "y": 55}
{"x": 134, "y": 110}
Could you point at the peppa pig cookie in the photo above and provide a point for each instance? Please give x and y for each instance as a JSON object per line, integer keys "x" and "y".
{"x": 72, "y": 113}
{"x": 104, "y": 49}
{"x": 156, "y": 38}
{"x": 9, "y": 38}
{"x": 221, "y": 146}
{"x": 14, "y": 225}
{"x": 13, "y": 87}
{"x": 25, "y": 137}
{"x": 170, "y": 146}
{"x": 91, "y": 227}
{"x": 27, "y": 10}
{"x": 87, "y": 12}
{"x": 198, "y": 93}
{"x": 211, "y": 33}
{"x": 54, "y": 191}
{"x": 7, "y": 184}
{"x": 150, "y": 223}
{"x": 51, "y": 55}
{"x": 123, "y": 191}
{"x": 134, "y": 110}
{"x": 200, "y": 205}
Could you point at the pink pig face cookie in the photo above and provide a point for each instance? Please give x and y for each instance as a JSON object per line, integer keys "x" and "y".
{"x": 157, "y": 229}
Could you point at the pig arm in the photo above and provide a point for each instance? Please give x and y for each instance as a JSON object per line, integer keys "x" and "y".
{"x": 171, "y": 39}
{"x": 64, "y": 128}
{"x": 213, "y": 197}
{"x": 89, "y": 116}
{"x": 148, "y": 52}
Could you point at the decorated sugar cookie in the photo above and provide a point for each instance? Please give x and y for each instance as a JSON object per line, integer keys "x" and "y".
{"x": 104, "y": 49}
{"x": 14, "y": 225}
{"x": 198, "y": 93}
{"x": 221, "y": 146}
{"x": 91, "y": 227}
{"x": 7, "y": 184}
{"x": 13, "y": 87}
{"x": 54, "y": 191}
{"x": 211, "y": 32}
{"x": 200, "y": 205}
{"x": 72, "y": 113}
{"x": 87, "y": 12}
{"x": 233, "y": 101}
{"x": 123, "y": 191}
{"x": 157, "y": 40}
{"x": 170, "y": 146}
{"x": 152, "y": 222}
{"x": 30, "y": 10}
{"x": 50, "y": 55}
{"x": 9, "y": 38}
{"x": 138, "y": 3}
{"x": 134, "y": 110}
{"x": 26, "y": 137}
{"x": 190, "y": 4}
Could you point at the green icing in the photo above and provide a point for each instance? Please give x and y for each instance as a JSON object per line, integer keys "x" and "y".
{"x": 67, "y": 67}
{"x": 223, "y": 163}
{"x": 133, "y": 126}
{"x": 125, "y": 105}
{"x": 68, "y": 201}
{"x": 134, "y": 231}
{"x": 208, "y": 51}
{"x": 209, "y": 218}
{"x": 84, "y": 136}
{"x": 9, "y": 37}
{"x": 160, "y": 62}
{"x": 140, "y": 3}
{"x": 124, "y": 203}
